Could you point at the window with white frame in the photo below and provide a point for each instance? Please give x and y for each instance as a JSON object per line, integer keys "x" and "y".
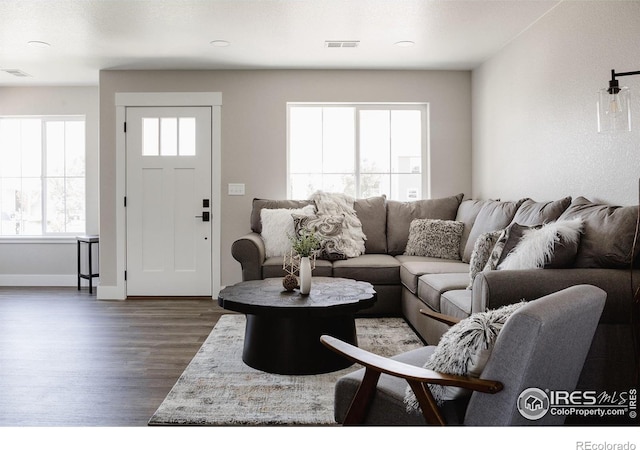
{"x": 363, "y": 150}
{"x": 42, "y": 175}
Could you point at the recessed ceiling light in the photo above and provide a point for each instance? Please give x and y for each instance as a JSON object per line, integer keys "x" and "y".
{"x": 220, "y": 43}
{"x": 404, "y": 44}
{"x": 341, "y": 44}
{"x": 39, "y": 44}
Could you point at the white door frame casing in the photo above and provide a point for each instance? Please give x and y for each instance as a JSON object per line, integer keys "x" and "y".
{"x": 130, "y": 99}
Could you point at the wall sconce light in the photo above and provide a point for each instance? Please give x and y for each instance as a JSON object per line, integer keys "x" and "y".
{"x": 614, "y": 110}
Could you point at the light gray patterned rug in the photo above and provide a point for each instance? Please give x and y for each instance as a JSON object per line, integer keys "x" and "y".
{"x": 217, "y": 388}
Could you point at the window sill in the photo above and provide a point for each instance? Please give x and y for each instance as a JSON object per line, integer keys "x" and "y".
{"x": 37, "y": 240}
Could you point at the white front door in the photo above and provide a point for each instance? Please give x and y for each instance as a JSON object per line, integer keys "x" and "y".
{"x": 168, "y": 201}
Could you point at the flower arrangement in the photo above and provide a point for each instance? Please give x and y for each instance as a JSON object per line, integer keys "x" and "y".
{"x": 305, "y": 244}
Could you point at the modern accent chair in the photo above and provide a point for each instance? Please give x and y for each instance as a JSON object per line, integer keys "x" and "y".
{"x": 542, "y": 345}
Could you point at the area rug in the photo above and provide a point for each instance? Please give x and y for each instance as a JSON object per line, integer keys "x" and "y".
{"x": 217, "y": 388}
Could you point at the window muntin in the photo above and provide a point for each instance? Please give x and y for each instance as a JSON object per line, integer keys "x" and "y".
{"x": 362, "y": 150}
{"x": 42, "y": 176}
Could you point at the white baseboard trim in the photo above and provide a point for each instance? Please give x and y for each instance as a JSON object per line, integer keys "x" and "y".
{"x": 110, "y": 293}
{"x": 39, "y": 280}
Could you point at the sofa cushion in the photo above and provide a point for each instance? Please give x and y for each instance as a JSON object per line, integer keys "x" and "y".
{"x": 536, "y": 213}
{"x": 493, "y": 216}
{"x": 259, "y": 204}
{"x": 432, "y": 286}
{"x": 278, "y": 227}
{"x": 467, "y": 213}
{"x": 400, "y": 215}
{"x": 372, "y": 213}
{"x": 456, "y": 303}
{"x": 413, "y": 267}
{"x": 376, "y": 269}
{"x": 608, "y": 233}
{"x": 434, "y": 237}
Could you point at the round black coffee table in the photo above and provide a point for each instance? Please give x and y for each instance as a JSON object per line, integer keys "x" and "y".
{"x": 283, "y": 328}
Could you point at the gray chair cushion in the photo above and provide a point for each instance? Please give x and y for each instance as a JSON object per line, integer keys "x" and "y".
{"x": 376, "y": 269}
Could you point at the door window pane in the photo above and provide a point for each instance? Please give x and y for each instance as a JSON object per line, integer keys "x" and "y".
{"x": 168, "y": 136}
{"x": 150, "y": 136}
{"x": 187, "y": 134}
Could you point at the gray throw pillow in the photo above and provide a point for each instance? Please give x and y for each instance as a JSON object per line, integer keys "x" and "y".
{"x": 435, "y": 238}
{"x": 464, "y": 350}
{"x": 481, "y": 253}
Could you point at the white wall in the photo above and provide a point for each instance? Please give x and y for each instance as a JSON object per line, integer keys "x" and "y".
{"x": 254, "y": 133}
{"x": 52, "y": 262}
{"x": 534, "y": 108}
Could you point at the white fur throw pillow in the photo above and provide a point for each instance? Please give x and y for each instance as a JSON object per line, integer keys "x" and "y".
{"x": 464, "y": 350}
{"x": 536, "y": 247}
{"x": 277, "y": 226}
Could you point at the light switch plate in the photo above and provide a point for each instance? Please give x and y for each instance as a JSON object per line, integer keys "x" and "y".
{"x": 236, "y": 188}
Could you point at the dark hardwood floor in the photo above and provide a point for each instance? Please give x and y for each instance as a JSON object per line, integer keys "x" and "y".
{"x": 67, "y": 359}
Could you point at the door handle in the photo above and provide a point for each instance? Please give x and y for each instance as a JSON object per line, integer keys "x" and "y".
{"x": 204, "y": 216}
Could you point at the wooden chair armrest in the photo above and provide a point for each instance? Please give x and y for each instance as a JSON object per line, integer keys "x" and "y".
{"x": 418, "y": 379}
{"x": 444, "y": 318}
{"x": 407, "y": 371}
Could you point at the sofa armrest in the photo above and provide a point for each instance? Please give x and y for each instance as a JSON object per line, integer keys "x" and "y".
{"x": 249, "y": 251}
{"x": 497, "y": 288}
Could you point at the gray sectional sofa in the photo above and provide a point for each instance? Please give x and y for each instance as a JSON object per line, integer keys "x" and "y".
{"x": 407, "y": 283}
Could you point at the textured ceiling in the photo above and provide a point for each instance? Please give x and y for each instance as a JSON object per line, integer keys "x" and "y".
{"x": 86, "y": 36}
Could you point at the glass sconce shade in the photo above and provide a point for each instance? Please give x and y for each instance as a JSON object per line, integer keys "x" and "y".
{"x": 614, "y": 112}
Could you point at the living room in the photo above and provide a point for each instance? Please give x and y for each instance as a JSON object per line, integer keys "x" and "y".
{"x": 520, "y": 123}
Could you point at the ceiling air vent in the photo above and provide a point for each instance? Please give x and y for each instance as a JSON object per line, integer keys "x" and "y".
{"x": 341, "y": 44}
{"x": 16, "y": 72}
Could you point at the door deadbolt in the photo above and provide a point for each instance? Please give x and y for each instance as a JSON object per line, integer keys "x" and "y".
{"x": 204, "y": 216}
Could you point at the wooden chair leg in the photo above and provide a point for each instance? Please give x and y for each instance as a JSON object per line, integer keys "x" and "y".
{"x": 427, "y": 403}
{"x": 360, "y": 404}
